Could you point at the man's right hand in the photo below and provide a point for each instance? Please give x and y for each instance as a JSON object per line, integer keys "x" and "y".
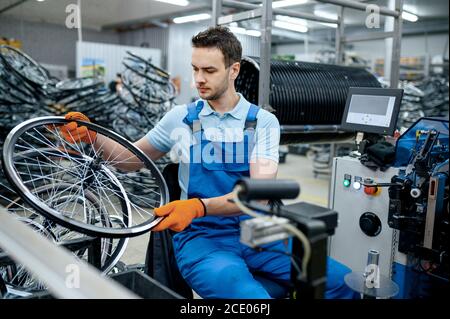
{"x": 73, "y": 133}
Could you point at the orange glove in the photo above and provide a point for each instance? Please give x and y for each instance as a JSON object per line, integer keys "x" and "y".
{"x": 179, "y": 214}
{"x": 73, "y": 133}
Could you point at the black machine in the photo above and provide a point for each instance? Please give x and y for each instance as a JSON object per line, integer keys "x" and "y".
{"x": 315, "y": 222}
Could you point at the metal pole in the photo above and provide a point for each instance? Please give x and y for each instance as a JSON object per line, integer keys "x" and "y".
{"x": 361, "y": 6}
{"x": 396, "y": 45}
{"x": 265, "y": 52}
{"x": 339, "y": 37}
{"x": 65, "y": 275}
{"x": 12, "y": 6}
{"x": 216, "y": 12}
{"x": 388, "y": 43}
{"x": 300, "y": 15}
{"x": 80, "y": 36}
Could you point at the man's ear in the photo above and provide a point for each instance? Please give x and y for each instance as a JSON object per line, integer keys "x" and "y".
{"x": 234, "y": 70}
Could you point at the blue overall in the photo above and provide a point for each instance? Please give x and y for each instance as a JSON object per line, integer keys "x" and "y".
{"x": 209, "y": 255}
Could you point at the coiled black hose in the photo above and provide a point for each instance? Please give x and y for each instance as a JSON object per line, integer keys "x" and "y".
{"x": 304, "y": 93}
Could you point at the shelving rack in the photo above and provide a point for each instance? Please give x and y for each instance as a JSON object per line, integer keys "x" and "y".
{"x": 265, "y": 12}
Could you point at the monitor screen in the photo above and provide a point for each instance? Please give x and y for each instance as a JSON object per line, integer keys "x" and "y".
{"x": 372, "y": 110}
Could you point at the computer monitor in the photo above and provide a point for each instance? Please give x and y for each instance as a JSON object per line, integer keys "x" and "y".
{"x": 372, "y": 110}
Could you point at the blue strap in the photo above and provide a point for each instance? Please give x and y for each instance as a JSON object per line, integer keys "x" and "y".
{"x": 252, "y": 112}
{"x": 194, "y": 110}
{"x": 250, "y": 121}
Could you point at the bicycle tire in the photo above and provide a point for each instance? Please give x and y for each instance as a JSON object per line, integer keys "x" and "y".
{"x": 11, "y": 173}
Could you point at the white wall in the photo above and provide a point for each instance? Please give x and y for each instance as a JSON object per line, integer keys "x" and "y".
{"x": 112, "y": 55}
{"x": 50, "y": 43}
{"x": 157, "y": 38}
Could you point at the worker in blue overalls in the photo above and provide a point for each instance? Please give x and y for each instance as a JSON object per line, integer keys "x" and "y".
{"x": 220, "y": 138}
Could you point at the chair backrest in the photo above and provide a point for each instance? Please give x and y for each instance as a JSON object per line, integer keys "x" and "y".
{"x": 160, "y": 262}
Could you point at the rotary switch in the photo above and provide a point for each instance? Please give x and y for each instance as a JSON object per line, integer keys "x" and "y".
{"x": 370, "y": 224}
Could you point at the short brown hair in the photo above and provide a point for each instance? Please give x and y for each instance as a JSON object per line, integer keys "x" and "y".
{"x": 222, "y": 38}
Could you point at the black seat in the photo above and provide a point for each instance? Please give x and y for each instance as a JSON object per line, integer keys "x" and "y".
{"x": 160, "y": 262}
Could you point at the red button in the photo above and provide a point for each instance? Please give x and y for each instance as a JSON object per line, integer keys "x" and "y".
{"x": 370, "y": 190}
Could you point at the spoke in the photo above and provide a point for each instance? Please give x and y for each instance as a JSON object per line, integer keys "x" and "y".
{"x": 64, "y": 142}
{"x": 51, "y": 146}
{"x": 101, "y": 189}
{"x": 135, "y": 206}
{"x": 40, "y": 152}
{"x": 60, "y": 193}
{"x": 41, "y": 178}
{"x": 60, "y": 154}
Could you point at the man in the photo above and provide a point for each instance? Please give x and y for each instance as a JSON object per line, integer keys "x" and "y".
{"x": 221, "y": 137}
{"x": 115, "y": 85}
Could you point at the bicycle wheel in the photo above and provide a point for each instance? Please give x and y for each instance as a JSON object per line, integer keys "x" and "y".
{"x": 112, "y": 249}
{"x": 16, "y": 276}
{"x": 35, "y": 154}
{"x": 79, "y": 84}
{"x": 24, "y": 66}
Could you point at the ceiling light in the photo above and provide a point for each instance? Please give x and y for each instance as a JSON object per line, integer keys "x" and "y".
{"x": 291, "y": 20}
{"x": 237, "y": 30}
{"x": 326, "y": 15}
{"x": 409, "y": 16}
{"x": 192, "y": 18}
{"x": 290, "y": 26}
{"x": 253, "y": 33}
{"x": 182, "y": 3}
{"x": 287, "y": 3}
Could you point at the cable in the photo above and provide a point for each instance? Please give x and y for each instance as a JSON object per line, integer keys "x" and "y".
{"x": 290, "y": 228}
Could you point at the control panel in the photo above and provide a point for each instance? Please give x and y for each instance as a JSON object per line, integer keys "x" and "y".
{"x": 363, "y": 211}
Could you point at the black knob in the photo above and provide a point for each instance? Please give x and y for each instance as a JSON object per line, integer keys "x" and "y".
{"x": 370, "y": 224}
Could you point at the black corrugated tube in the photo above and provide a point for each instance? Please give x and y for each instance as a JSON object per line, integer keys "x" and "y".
{"x": 305, "y": 95}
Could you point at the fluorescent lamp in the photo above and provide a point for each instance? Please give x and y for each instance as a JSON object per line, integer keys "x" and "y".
{"x": 238, "y": 30}
{"x": 182, "y": 3}
{"x": 331, "y": 25}
{"x": 291, "y": 20}
{"x": 253, "y": 33}
{"x": 287, "y": 3}
{"x": 290, "y": 26}
{"x": 302, "y": 21}
{"x": 192, "y": 18}
{"x": 326, "y": 15}
{"x": 409, "y": 16}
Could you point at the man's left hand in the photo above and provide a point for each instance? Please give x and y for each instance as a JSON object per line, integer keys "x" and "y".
{"x": 179, "y": 214}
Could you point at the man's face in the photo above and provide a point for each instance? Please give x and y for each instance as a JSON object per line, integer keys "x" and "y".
{"x": 212, "y": 78}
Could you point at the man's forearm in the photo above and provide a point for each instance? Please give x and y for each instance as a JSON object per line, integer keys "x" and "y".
{"x": 116, "y": 154}
{"x": 221, "y": 206}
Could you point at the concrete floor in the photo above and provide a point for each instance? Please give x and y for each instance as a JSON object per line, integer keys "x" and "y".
{"x": 312, "y": 190}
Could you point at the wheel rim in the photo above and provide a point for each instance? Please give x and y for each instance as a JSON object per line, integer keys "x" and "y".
{"x": 75, "y": 165}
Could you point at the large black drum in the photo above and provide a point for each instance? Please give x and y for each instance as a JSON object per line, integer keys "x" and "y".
{"x": 308, "y": 98}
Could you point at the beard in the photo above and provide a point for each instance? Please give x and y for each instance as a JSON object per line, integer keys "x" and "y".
{"x": 217, "y": 94}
